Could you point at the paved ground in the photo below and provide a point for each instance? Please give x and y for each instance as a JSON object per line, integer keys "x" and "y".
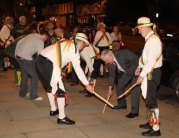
{"x": 23, "y": 118}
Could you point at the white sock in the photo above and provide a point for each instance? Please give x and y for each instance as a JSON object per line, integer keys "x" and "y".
{"x": 61, "y": 107}
{"x": 52, "y": 101}
{"x": 8, "y": 64}
{"x": 101, "y": 69}
{"x": 156, "y": 127}
{"x": 94, "y": 81}
{"x": 5, "y": 64}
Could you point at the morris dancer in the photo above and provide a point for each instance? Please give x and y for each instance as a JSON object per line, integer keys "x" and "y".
{"x": 90, "y": 54}
{"x": 149, "y": 74}
{"x": 49, "y": 64}
{"x": 6, "y": 38}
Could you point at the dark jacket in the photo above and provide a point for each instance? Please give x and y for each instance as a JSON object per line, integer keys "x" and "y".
{"x": 127, "y": 60}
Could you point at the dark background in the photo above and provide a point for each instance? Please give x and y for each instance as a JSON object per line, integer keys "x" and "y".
{"x": 116, "y": 10}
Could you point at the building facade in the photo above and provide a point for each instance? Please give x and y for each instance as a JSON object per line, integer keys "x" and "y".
{"x": 69, "y": 13}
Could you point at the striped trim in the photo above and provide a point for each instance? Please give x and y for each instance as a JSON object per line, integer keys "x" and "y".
{"x": 58, "y": 54}
{"x": 82, "y": 37}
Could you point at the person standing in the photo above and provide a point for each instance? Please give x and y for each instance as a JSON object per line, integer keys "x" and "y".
{"x": 90, "y": 54}
{"x": 102, "y": 40}
{"x": 5, "y": 33}
{"x": 49, "y": 64}
{"x": 6, "y": 38}
{"x": 19, "y": 31}
{"x": 52, "y": 37}
{"x": 21, "y": 28}
{"x": 122, "y": 65}
{"x": 149, "y": 74}
{"x": 25, "y": 49}
{"x": 116, "y": 34}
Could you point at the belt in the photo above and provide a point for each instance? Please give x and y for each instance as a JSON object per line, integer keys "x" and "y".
{"x": 43, "y": 57}
{"x": 18, "y": 57}
{"x": 156, "y": 68}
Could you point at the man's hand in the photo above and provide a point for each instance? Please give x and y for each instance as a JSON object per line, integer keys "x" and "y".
{"x": 89, "y": 88}
{"x": 137, "y": 72}
{"x": 139, "y": 80}
{"x": 110, "y": 93}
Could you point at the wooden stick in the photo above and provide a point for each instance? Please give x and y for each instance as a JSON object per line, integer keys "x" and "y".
{"x": 28, "y": 26}
{"x": 104, "y": 100}
{"x": 128, "y": 90}
{"x": 105, "y": 105}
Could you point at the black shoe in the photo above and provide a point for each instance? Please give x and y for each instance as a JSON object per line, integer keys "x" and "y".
{"x": 65, "y": 120}
{"x": 54, "y": 113}
{"x": 120, "y": 107}
{"x": 89, "y": 94}
{"x": 10, "y": 67}
{"x": 101, "y": 76}
{"x": 145, "y": 126}
{"x": 83, "y": 91}
{"x": 151, "y": 133}
{"x": 4, "y": 69}
{"x": 131, "y": 115}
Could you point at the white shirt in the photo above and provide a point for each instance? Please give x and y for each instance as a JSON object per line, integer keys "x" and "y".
{"x": 6, "y": 32}
{"x": 87, "y": 54}
{"x": 113, "y": 36}
{"x": 103, "y": 41}
{"x": 152, "y": 50}
{"x": 68, "y": 55}
{"x": 118, "y": 65}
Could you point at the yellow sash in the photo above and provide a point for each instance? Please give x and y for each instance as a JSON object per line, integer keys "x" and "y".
{"x": 59, "y": 54}
{"x": 149, "y": 75}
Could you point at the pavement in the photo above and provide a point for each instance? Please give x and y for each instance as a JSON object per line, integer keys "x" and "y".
{"x": 23, "y": 118}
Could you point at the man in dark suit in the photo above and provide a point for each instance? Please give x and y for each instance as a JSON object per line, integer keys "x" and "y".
{"x": 122, "y": 65}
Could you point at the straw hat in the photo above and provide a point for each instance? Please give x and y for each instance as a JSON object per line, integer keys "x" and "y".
{"x": 50, "y": 25}
{"x": 143, "y": 22}
{"x": 82, "y": 37}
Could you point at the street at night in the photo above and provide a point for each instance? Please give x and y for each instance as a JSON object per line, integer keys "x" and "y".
{"x": 89, "y": 68}
{"x": 23, "y": 118}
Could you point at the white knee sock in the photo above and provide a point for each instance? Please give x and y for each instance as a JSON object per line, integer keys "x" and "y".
{"x": 94, "y": 81}
{"x": 101, "y": 69}
{"x": 5, "y": 64}
{"x": 52, "y": 101}
{"x": 156, "y": 126}
{"x": 61, "y": 107}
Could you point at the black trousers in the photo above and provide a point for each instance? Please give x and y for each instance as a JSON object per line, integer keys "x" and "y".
{"x": 14, "y": 62}
{"x": 123, "y": 81}
{"x": 44, "y": 69}
{"x": 72, "y": 76}
{"x": 152, "y": 85}
{"x": 96, "y": 66}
